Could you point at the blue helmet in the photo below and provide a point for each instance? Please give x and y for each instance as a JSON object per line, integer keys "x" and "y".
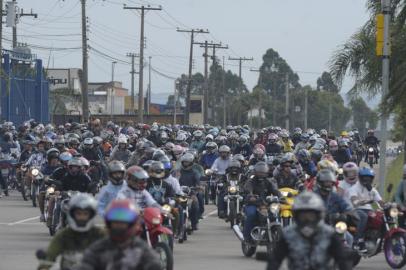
{"x": 366, "y": 172}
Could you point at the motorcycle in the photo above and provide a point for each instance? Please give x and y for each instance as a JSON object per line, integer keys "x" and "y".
{"x": 213, "y": 185}
{"x": 184, "y": 202}
{"x": 286, "y": 212}
{"x": 157, "y": 236}
{"x": 59, "y": 211}
{"x": 36, "y": 177}
{"x": 6, "y": 166}
{"x": 371, "y": 156}
{"x": 233, "y": 200}
{"x": 383, "y": 235}
{"x": 268, "y": 231}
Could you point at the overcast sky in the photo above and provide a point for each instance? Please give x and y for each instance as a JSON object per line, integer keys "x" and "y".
{"x": 305, "y": 33}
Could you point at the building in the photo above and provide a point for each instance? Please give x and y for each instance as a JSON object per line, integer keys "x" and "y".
{"x": 107, "y": 97}
{"x": 64, "y": 78}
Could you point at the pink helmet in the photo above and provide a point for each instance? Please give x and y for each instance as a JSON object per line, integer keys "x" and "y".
{"x": 333, "y": 143}
{"x": 272, "y": 136}
{"x": 350, "y": 170}
{"x": 260, "y": 146}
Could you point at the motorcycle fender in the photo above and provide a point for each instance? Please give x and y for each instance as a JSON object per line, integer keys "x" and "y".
{"x": 394, "y": 231}
{"x": 286, "y": 214}
{"x": 161, "y": 230}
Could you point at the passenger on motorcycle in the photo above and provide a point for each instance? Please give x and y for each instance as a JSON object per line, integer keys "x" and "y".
{"x": 343, "y": 154}
{"x": 120, "y": 152}
{"x": 197, "y": 142}
{"x": 285, "y": 175}
{"x": 350, "y": 170}
{"x": 362, "y": 195}
{"x": 135, "y": 189}
{"x": 258, "y": 154}
{"x": 303, "y": 143}
{"x": 121, "y": 249}
{"x": 116, "y": 182}
{"x": 223, "y": 161}
{"x": 273, "y": 148}
{"x": 287, "y": 144}
{"x": 303, "y": 156}
{"x": 209, "y": 155}
{"x": 60, "y": 172}
{"x": 243, "y": 148}
{"x": 71, "y": 242}
{"x": 400, "y": 198}
{"x": 257, "y": 188}
{"x": 309, "y": 243}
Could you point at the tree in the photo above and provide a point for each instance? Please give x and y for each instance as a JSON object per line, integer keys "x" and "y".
{"x": 326, "y": 83}
{"x": 362, "y": 115}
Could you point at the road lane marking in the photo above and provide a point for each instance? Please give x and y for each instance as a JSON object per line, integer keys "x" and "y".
{"x": 210, "y": 214}
{"x": 22, "y": 221}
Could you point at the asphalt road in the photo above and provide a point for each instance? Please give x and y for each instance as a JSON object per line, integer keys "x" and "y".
{"x": 214, "y": 246}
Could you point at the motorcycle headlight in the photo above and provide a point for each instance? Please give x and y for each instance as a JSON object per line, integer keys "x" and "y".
{"x": 275, "y": 208}
{"x": 156, "y": 221}
{"x": 208, "y": 172}
{"x": 284, "y": 193}
{"x": 50, "y": 190}
{"x": 341, "y": 227}
{"x": 394, "y": 212}
{"x": 232, "y": 189}
{"x": 167, "y": 208}
{"x": 34, "y": 172}
{"x": 370, "y": 149}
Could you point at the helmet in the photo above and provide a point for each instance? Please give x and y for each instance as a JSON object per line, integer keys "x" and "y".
{"x": 224, "y": 149}
{"x": 169, "y": 146}
{"x": 157, "y": 170}
{"x": 234, "y": 167}
{"x": 243, "y": 139}
{"x": 124, "y": 211}
{"x": 85, "y": 162}
{"x": 350, "y": 170}
{"x": 198, "y": 134}
{"x": 366, "y": 172}
{"x": 209, "y": 137}
{"x": 325, "y": 180}
{"x": 158, "y": 154}
{"x": 65, "y": 156}
{"x": 137, "y": 177}
{"x": 122, "y": 139}
{"x": 308, "y": 211}
{"x": 333, "y": 144}
{"x": 326, "y": 164}
{"x": 304, "y": 137}
{"x": 239, "y": 157}
{"x": 82, "y": 201}
{"x": 88, "y": 141}
{"x": 258, "y": 152}
{"x": 178, "y": 150}
{"x": 75, "y": 165}
{"x": 273, "y": 138}
{"x": 116, "y": 166}
{"x": 366, "y": 176}
{"x": 180, "y": 138}
{"x": 147, "y": 164}
{"x": 297, "y": 130}
{"x": 211, "y": 146}
{"x": 261, "y": 170}
{"x": 303, "y": 155}
{"x": 52, "y": 153}
{"x": 59, "y": 140}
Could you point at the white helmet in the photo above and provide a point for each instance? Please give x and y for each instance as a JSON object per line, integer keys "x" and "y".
{"x": 122, "y": 139}
{"x": 82, "y": 201}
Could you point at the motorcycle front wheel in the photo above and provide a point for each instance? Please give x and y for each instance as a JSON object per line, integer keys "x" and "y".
{"x": 165, "y": 255}
{"x": 395, "y": 250}
{"x": 232, "y": 217}
{"x": 248, "y": 250}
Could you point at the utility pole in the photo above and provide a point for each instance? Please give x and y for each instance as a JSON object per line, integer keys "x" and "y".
{"x": 22, "y": 14}
{"x": 206, "y": 45}
{"x": 259, "y": 101}
{"x": 305, "y": 108}
{"x": 149, "y": 84}
{"x": 112, "y": 89}
{"x": 224, "y": 95}
{"x": 141, "y": 66}
{"x": 175, "y": 99}
{"x": 287, "y": 103}
{"x": 240, "y": 60}
{"x": 132, "y": 72}
{"x": 189, "y": 84}
{"x": 85, "y": 101}
{"x": 1, "y": 55}
{"x": 386, "y": 9}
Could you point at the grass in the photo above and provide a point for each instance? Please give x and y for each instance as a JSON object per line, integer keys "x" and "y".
{"x": 394, "y": 175}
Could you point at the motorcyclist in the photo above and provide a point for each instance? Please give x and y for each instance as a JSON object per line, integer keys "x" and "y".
{"x": 287, "y": 144}
{"x": 75, "y": 179}
{"x": 168, "y": 178}
{"x": 350, "y": 171}
{"x": 73, "y": 145}
{"x": 161, "y": 191}
{"x": 209, "y": 156}
{"x": 304, "y": 158}
{"x": 121, "y": 249}
{"x": 273, "y": 148}
{"x": 400, "y": 198}
{"x": 303, "y": 143}
{"x": 108, "y": 193}
{"x": 136, "y": 188}
{"x": 337, "y": 209}
{"x": 188, "y": 177}
{"x": 362, "y": 195}
{"x": 71, "y": 242}
{"x": 371, "y": 141}
{"x": 296, "y": 136}
{"x": 223, "y": 161}
{"x": 343, "y": 154}
{"x": 243, "y": 148}
{"x": 38, "y": 157}
{"x": 89, "y": 152}
{"x": 256, "y": 188}
{"x": 64, "y": 158}
{"x": 120, "y": 152}
{"x": 197, "y": 142}
{"x": 285, "y": 175}
{"x": 28, "y": 147}
{"x": 258, "y": 154}
{"x": 60, "y": 143}
{"x": 309, "y": 243}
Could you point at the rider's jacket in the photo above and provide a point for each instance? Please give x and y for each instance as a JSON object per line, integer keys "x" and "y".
{"x": 244, "y": 150}
{"x": 296, "y": 138}
{"x": 285, "y": 180}
{"x": 309, "y": 167}
{"x": 160, "y": 192}
{"x": 71, "y": 245}
{"x": 309, "y": 254}
{"x": 25, "y": 155}
{"x": 90, "y": 154}
{"x": 198, "y": 145}
{"x": 287, "y": 146}
{"x": 371, "y": 141}
{"x": 208, "y": 159}
{"x": 48, "y": 170}
{"x": 105, "y": 255}
{"x": 334, "y": 203}
{"x": 220, "y": 165}
{"x": 106, "y": 195}
{"x": 302, "y": 145}
{"x": 273, "y": 149}
{"x": 261, "y": 188}
{"x": 342, "y": 155}
{"x": 80, "y": 182}
{"x": 120, "y": 155}
{"x": 36, "y": 159}
{"x": 142, "y": 198}
{"x": 174, "y": 183}
{"x": 188, "y": 178}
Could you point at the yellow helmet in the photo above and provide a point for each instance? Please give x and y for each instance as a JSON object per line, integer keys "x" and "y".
{"x": 327, "y": 164}
{"x": 344, "y": 133}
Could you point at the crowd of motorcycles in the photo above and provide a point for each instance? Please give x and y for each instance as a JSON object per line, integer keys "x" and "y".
{"x": 224, "y": 162}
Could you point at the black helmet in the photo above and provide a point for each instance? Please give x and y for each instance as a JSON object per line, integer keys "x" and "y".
{"x": 234, "y": 167}
{"x": 158, "y": 154}
{"x": 261, "y": 170}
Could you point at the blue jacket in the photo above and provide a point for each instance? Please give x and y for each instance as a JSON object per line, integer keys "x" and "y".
{"x": 106, "y": 195}
{"x": 310, "y": 168}
{"x": 208, "y": 159}
{"x": 335, "y": 204}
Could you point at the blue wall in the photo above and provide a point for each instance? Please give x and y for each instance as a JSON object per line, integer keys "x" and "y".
{"x": 27, "y": 97}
